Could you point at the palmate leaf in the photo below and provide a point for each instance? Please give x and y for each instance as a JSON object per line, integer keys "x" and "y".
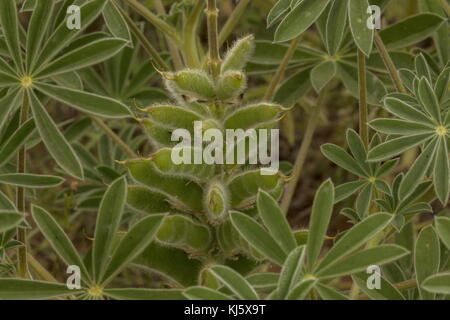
{"x": 55, "y": 142}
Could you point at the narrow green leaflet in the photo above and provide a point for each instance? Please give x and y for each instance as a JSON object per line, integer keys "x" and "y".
{"x": 115, "y": 22}
{"x": 442, "y": 172}
{"x": 386, "y": 290}
{"x": 300, "y": 19}
{"x": 22, "y": 289}
{"x": 87, "y": 102}
{"x": 257, "y": 237}
{"x": 322, "y": 74}
{"x": 396, "y": 146}
{"x": 291, "y": 272}
{"x": 132, "y": 244}
{"x": 235, "y": 282}
{"x": 203, "y": 293}
{"x": 55, "y": 142}
{"x": 9, "y": 220}
{"x": 6, "y": 203}
{"x": 10, "y": 26}
{"x": 442, "y": 225}
{"x": 336, "y": 25}
{"x": 363, "y": 36}
{"x": 275, "y": 221}
{"x": 429, "y": 100}
{"x": 277, "y": 11}
{"x": 410, "y": 30}
{"x": 302, "y": 289}
{"x": 355, "y": 238}
{"x": 90, "y": 54}
{"x": 438, "y": 283}
{"x": 361, "y": 260}
{"x": 31, "y": 180}
{"x": 15, "y": 141}
{"x": 329, "y": 293}
{"x": 426, "y": 258}
{"x": 39, "y": 22}
{"x": 108, "y": 221}
{"x": 320, "y": 218}
{"x": 55, "y": 235}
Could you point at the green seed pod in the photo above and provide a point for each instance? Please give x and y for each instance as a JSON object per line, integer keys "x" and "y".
{"x": 238, "y": 56}
{"x": 146, "y": 200}
{"x": 253, "y": 115}
{"x": 163, "y": 159}
{"x": 174, "y": 230}
{"x": 159, "y": 135}
{"x": 216, "y": 202}
{"x": 182, "y": 193}
{"x": 173, "y": 116}
{"x": 230, "y": 85}
{"x": 194, "y": 83}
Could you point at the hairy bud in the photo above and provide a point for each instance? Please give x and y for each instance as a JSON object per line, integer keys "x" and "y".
{"x": 216, "y": 202}
{"x": 194, "y": 83}
{"x": 231, "y": 84}
{"x": 238, "y": 56}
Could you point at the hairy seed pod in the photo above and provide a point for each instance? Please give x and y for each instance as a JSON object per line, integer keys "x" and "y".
{"x": 253, "y": 115}
{"x": 173, "y": 116}
{"x": 238, "y": 56}
{"x": 231, "y": 84}
{"x": 174, "y": 230}
{"x": 228, "y": 238}
{"x": 194, "y": 83}
{"x": 216, "y": 202}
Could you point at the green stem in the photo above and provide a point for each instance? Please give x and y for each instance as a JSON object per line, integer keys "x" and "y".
{"x": 174, "y": 53}
{"x": 151, "y": 51}
{"x": 212, "y": 14}
{"x": 114, "y": 137}
{"x": 281, "y": 69}
{"x": 232, "y": 21}
{"x": 362, "y": 85}
{"x": 190, "y": 51}
{"x": 389, "y": 63}
{"x": 155, "y": 20}
{"x": 20, "y": 196}
{"x": 303, "y": 152}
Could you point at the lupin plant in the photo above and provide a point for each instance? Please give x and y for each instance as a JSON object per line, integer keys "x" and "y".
{"x": 169, "y": 199}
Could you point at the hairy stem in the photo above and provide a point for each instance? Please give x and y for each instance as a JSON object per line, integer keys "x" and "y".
{"x": 174, "y": 53}
{"x": 281, "y": 69}
{"x": 151, "y": 51}
{"x": 114, "y": 137}
{"x": 389, "y": 63}
{"x": 303, "y": 152}
{"x": 190, "y": 51}
{"x": 212, "y": 14}
{"x": 232, "y": 21}
{"x": 20, "y": 196}
{"x": 362, "y": 85}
